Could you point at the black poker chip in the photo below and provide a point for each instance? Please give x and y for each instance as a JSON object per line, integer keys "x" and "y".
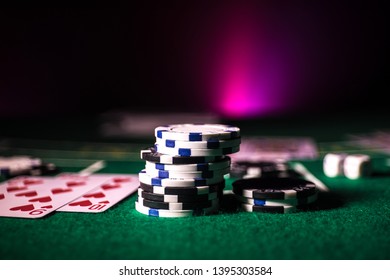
{"x": 274, "y": 188}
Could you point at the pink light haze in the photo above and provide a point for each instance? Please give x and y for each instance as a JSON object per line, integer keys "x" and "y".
{"x": 249, "y": 72}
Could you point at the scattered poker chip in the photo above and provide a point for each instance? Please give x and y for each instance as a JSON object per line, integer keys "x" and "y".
{"x": 174, "y": 213}
{"x": 17, "y": 165}
{"x": 178, "y": 205}
{"x": 178, "y": 198}
{"x": 25, "y": 165}
{"x": 281, "y": 202}
{"x": 274, "y": 188}
{"x": 177, "y": 182}
{"x": 268, "y": 209}
{"x": 207, "y": 166}
{"x": 199, "y": 190}
{"x": 209, "y": 144}
{"x": 189, "y": 152}
{"x": 178, "y": 174}
{"x": 247, "y": 169}
{"x": 153, "y": 156}
{"x": 197, "y": 132}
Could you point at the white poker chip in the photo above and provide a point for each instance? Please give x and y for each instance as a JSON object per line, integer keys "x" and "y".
{"x": 177, "y": 182}
{"x": 209, "y": 144}
{"x": 152, "y": 172}
{"x": 206, "y": 166}
{"x": 186, "y": 152}
{"x": 197, "y": 132}
{"x": 16, "y": 165}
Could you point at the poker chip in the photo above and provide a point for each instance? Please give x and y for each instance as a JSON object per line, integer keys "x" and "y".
{"x": 281, "y": 202}
{"x": 269, "y": 209}
{"x": 250, "y": 169}
{"x": 178, "y": 205}
{"x": 274, "y": 188}
{"x": 185, "y": 171}
{"x": 206, "y": 166}
{"x": 174, "y": 213}
{"x": 189, "y": 152}
{"x": 191, "y": 191}
{"x": 197, "y": 132}
{"x": 209, "y": 144}
{"x": 179, "y": 174}
{"x": 178, "y": 198}
{"x": 153, "y": 156}
{"x": 178, "y": 182}
{"x": 25, "y": 165}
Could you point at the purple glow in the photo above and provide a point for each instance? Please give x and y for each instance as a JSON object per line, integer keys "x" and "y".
{"x": 250, "y": 70}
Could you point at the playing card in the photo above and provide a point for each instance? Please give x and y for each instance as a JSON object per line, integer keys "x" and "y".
{"x": 115, "y": 189}
{"x": 35, "y": 196}
{"x": 274, "y": 148}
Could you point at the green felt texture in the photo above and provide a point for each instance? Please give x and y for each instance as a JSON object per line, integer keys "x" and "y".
{"x": 352, "y": 221}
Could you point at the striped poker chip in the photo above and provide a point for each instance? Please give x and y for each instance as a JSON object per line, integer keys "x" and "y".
{"x": 18, "y": 165}
{"x": 179, "y": 174}
{"x": 187, "y": 152}
{"x": 177, "y": 182}
{"x": 153, "y": 156}
{"x": 197, "y": 132}
{"x": 198, "y": 190}
{"x": 209, "y": 144}
{"x": 178, "y": 205}
{"x": 274, "y": 188}
{"x": 174, "y": 213}
{"x": 268, "y": 209}
{"x": 279, "y": 202}
{"x": 207, "y": 166}
{"x": 178, "y": 198}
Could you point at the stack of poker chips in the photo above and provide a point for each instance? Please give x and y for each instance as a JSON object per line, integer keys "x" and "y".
{"x": 274, "y": 195}
{"x": 185, "y": 171}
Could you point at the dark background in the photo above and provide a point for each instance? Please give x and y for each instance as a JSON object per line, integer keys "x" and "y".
{"x": 153, "y": 56}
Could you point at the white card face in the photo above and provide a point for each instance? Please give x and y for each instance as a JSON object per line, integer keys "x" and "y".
{"x": 37, "y": 196}
{"x": 116, "y": 188}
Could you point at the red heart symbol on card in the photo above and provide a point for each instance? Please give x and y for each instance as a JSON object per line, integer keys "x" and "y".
{"x": 95, "y": 195}
{"x": 121, "y": 179}
{"x": 14, "y": 189}
{"x": 32, "y": 181}
{"x": 83, "y": 203}
{"x": 106, "y": 201}
{"x": 2, "y": 196}
{"x": 75, "y": 183}
{"x": 110, "y": 186}
{"x": 57, "y": 191}
{"x": 23, "y": 208}
{"x": 27, "y": 194}
{"x": 41, "y": 199}
{"x": 47, "y": 206}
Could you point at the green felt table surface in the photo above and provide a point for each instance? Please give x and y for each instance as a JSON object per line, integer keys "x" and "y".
{"x": 351, "y": 221}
